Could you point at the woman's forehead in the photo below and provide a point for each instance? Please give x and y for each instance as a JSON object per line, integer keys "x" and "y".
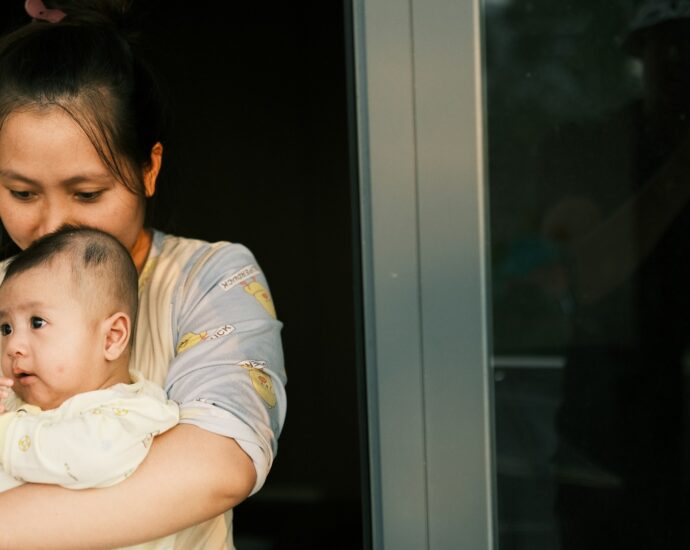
{"x": 42, "y": 140}
{"x": 35, "y": 122}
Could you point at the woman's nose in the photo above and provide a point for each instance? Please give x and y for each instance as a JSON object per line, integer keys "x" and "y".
{"x": 54, "y": 217}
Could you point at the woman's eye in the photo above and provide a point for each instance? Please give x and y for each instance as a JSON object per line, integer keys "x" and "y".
{"x": 37, "y": 322}
{"x": 5, "y": 329}
{"x": 22, "y": 195}
{"x": 87, "y": 196}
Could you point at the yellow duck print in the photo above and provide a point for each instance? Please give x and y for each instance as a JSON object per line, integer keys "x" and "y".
{"x": 262, "y": 295}
{"x": 263, "y": 386}
{"x": 190, "y": 340}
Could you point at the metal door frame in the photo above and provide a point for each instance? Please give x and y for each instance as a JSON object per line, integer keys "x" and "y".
{"x": 420, "y": 104}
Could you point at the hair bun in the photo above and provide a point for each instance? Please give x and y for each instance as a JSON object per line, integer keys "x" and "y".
{"x": 117, "y": 13}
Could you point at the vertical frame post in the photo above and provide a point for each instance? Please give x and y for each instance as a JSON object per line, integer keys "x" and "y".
{"x": 420, "y": 134}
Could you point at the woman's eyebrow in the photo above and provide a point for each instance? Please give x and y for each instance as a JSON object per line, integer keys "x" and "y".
{"x": 11, "y": 174}
{"x": 81, "y": 178}
{"x": 73, "y": 180}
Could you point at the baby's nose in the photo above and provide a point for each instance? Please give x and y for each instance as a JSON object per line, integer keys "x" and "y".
{"x": 14, "y": 345}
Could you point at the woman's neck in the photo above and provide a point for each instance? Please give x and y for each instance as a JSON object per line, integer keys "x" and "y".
{"x": 141, "y": 248}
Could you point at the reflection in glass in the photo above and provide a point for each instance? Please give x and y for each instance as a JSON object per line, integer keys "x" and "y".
{"x": 589, "y": 173}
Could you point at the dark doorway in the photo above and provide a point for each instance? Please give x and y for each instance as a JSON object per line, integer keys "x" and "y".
{"x": 258, "y": 154}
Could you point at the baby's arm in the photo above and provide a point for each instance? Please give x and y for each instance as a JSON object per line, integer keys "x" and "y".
{"x": 94, "y": 439}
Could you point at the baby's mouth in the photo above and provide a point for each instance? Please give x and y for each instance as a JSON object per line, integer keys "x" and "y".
{"x": 21, "y": 374}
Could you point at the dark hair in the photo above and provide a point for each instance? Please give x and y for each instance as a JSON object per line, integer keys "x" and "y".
{"x": 88, "y": 65}
{"x": 90, "y": 251}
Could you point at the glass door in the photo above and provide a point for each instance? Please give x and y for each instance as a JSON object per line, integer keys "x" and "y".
{"x": 588, "y": 104}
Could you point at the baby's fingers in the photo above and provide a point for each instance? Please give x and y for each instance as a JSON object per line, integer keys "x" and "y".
{"x": 5, "y": 385}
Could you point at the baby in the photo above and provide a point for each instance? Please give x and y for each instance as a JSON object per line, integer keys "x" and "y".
{"x": 77, "y": 416}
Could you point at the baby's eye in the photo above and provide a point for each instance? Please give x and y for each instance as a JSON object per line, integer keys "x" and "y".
{"x": 5, "y": 329}
{"x": 37, "y": 322}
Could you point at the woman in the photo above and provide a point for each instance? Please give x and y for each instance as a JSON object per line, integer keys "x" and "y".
{"x": 80, "y": 143}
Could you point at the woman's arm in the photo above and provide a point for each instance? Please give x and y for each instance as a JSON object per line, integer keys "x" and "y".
{"x": 189, "y": 476}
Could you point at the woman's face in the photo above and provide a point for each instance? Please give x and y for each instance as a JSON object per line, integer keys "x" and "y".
{"x": 50, "y": 175}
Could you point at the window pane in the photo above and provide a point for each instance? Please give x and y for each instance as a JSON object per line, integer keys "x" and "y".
{"x": 588, "y": 106}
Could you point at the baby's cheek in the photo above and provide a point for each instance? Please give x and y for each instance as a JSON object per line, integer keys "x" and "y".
{"x": 19, "y": 391}
{"x": 6, "y": 367}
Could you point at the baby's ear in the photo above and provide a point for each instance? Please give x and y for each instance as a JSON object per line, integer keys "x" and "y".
{"x": 116, "y": 330}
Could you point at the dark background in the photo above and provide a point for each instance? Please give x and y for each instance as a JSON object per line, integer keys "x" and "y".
{"x": 258, "y": 154}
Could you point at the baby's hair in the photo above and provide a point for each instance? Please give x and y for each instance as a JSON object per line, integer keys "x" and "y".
{"x": 91, "y": 253}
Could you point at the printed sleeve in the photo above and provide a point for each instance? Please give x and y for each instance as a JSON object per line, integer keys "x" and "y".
{"x": 80, "y": 447}
{"x": 228, "y": 373}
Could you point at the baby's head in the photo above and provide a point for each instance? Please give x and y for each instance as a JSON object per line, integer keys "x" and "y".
{"x": 68, "y": 305}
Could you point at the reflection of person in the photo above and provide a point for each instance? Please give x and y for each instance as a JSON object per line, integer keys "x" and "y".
{"x": 68, "y": 305}
{"x": 620, "y": 213}
{"x": 80, "y": 143}
{"x": 641, "y": 156}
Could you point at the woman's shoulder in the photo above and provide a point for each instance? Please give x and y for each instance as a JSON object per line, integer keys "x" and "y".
{"x": 197, "y": 252}
{"x": 222, "y": 262}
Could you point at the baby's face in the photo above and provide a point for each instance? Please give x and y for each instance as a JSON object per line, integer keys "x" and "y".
{"x": 49, "y": 344}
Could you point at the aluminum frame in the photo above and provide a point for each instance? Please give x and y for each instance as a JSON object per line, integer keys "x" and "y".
{"x": 420, "y": 105}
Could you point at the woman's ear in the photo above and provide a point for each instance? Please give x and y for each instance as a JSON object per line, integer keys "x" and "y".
{"x": 151, "y": 173}
{"x": 117, "y": 329}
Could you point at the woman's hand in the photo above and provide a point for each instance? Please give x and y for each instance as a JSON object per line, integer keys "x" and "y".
{"x": 189, "y": 476}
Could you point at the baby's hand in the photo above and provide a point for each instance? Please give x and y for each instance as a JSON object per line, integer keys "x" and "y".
{"x": 5, "y": 386}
